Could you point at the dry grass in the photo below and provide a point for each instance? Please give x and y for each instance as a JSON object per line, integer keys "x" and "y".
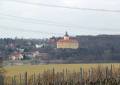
{"x": 63, "y": 74}
{"x": 15, "y": 70}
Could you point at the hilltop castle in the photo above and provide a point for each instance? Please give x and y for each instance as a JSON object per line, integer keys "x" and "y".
{"x": 67, "y": 42}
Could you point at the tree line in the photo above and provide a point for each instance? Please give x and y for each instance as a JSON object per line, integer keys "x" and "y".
{"x": 100, "y": 47}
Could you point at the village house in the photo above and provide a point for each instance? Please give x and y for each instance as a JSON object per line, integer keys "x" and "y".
{"x": 16, "y": 56}
{"x": 31, "y": 55}
{"x": 36, "y": 55}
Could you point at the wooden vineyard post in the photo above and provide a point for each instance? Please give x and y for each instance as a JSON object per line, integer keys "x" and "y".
{"x": 53, "y": 77}
{"x": 26, "y": 75}
{"x": 66, "y": 75}
{"x": 111, "y": 71}
{"x": 63, "y": 78}
{"x": 34, "y": 79}
{"x": 119, "y": 71}
{"x": 81, "y": 73}
{"x": 106, "y": 72}
{"x": 20, "y": 79}
{"x": 1, "y": 79}
{"x": 91, "y": 74}
{"x": 1, "y": 72}
{"x": 14, "y": 82}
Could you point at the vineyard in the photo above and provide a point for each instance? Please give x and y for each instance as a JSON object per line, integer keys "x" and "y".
{"x": 99, "y": 75}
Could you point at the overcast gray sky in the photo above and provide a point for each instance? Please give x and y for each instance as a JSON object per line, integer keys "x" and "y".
{"x": 29, "y": 20}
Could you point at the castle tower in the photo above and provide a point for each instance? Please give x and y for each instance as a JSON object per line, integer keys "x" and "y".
{"x": 66, "y": 36}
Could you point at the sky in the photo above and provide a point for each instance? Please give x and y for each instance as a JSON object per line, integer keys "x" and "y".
{"x": 30, "y": 19}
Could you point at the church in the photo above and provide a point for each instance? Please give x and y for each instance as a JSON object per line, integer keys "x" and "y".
{"x": 67, "y": 43}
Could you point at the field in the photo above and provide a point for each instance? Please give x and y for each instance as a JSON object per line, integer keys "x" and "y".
{"x": 62, "y": 74}
{"x": 31, "y": 69}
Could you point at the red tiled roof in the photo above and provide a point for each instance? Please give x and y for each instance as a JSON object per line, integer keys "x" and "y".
{"x": 16, "y": 54}
{"x": 70, "y": 40}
